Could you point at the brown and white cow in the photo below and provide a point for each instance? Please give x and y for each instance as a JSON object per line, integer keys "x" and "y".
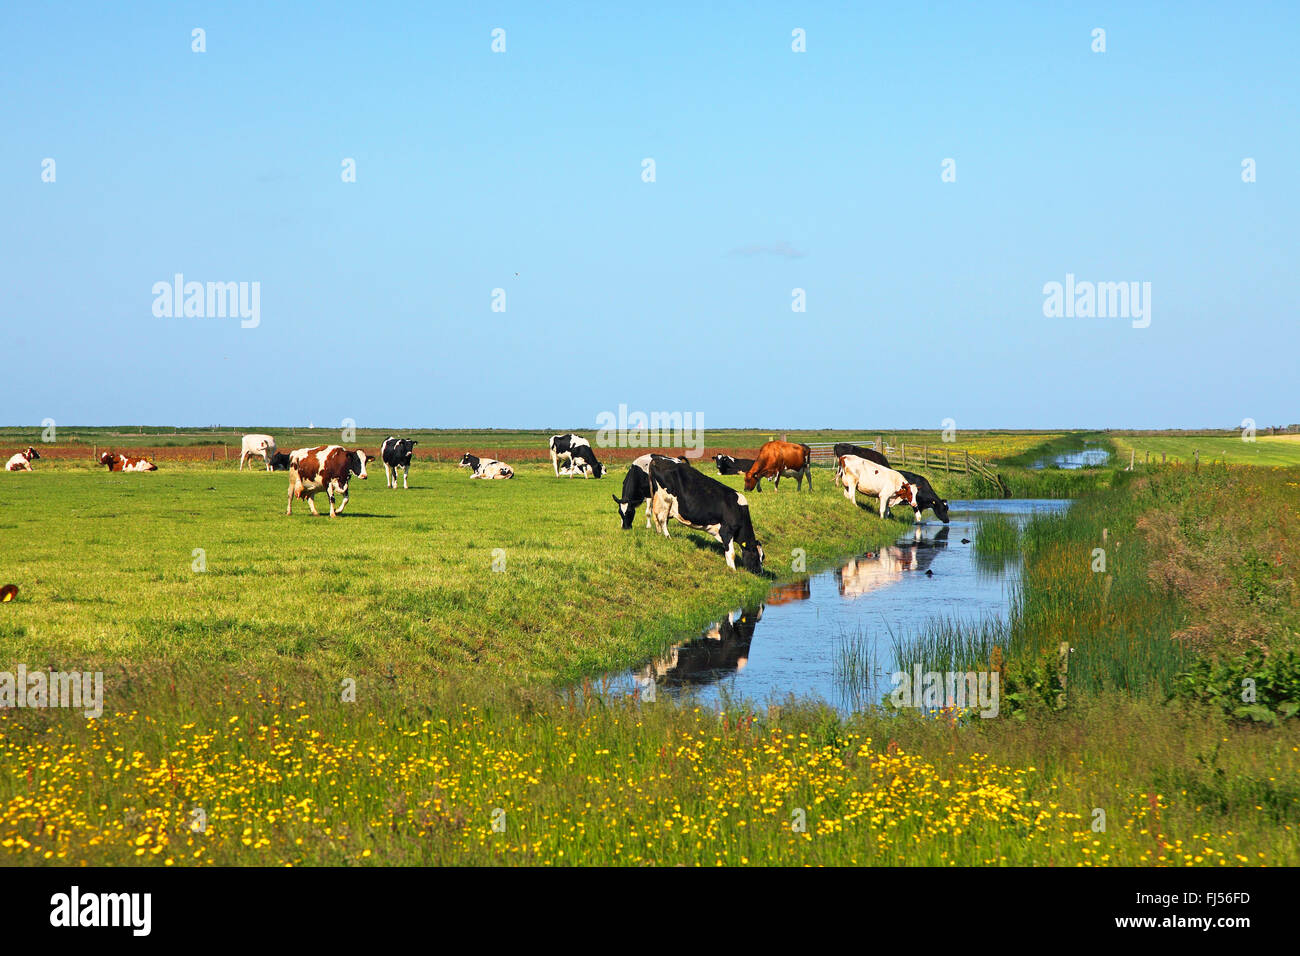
{"x": 856, "y": 474}
{"x": 118, "y": 462}
{"x": 777, "y": 459}
{"x": 23, "y": 460}
{"x": 326, "y": 468}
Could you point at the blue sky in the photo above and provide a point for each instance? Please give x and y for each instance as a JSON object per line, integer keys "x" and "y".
{"x": 774, "y": 170}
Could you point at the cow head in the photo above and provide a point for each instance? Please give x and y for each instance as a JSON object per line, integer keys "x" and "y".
{"x": 625, "y": 511}
{"x": 940, "y": 508}
{"x": 357, "y": 462}
{"x": 31, "y": 454}
{"x": 404, "y": 446}
{"x": 469, "y": 461}
{"x": 719, "y": 459}
{"x": 751, "y": 555}
{"x": 107, "y": 458}
{"x": 906, "y": 493}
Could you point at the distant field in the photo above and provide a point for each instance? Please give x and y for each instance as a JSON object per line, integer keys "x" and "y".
{"x": 222, "y": 445}
{"x": 1270, "y": 450}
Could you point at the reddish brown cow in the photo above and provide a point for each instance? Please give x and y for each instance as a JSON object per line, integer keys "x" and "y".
{"x": 780, "y": 458}
{"x": 324, "y": 468}
{"x": 118, "y": 462}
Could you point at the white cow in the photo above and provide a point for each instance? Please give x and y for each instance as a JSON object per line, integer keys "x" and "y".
{"x": 263, "y": 445}
{"x": 857, "y": 474}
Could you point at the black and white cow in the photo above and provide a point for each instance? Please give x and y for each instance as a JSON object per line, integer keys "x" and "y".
{"x": 575, "y": 452}
{"x": 636, "y": 488}
{"x": 280, "y": 461}
{"x": 732, "y": 466}
{"x": 870, "y": 454}
{"x": 926, "y": 497}
{"x": 486, "y": 467}
{"x": 396, "y": 453}
{"x": 706, "y": 504}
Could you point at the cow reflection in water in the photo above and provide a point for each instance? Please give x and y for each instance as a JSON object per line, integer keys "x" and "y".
{"x": 875, "y": 570}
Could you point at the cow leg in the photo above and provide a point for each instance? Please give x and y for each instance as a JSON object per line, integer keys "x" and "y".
{"x": 389, "y": 470}
{"x": 343, "y": 488}
{"x": 730, "y": 545}
{"x": 311, "y": 503}
{"x": 242, "y": 456}
{"x": 555, "y": 462}
{"x": 406, "y": 472}
{"x": 289, "y": 510}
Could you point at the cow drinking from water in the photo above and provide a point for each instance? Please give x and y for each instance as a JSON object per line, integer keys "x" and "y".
{"x": 859, "y": 475}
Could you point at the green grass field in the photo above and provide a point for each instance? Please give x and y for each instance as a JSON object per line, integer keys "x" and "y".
{"x": 401, "y": 583}
{"x": 469, "y": 742}
{"x": 1278, "y": 451}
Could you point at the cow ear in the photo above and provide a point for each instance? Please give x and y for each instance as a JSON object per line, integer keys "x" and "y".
{"x": 616, "y": 501}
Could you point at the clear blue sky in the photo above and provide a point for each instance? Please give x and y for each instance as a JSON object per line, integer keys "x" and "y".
{"x": 775, "y": 170}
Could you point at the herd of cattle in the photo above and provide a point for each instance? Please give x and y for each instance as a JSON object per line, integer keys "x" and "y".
{"x": 673, "y": 488}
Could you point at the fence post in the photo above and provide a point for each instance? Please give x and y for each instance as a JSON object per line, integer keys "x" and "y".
{"x": 947, "y": 461}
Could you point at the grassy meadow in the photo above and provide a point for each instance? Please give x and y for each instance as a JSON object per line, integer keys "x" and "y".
{"x": 479, "y": 733}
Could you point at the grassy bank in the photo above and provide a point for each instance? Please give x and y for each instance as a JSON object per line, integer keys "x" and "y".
{"x": 201, "y": 774}
{"x": 202, "y": 564}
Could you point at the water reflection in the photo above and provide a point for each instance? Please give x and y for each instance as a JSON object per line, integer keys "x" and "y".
{"x": 875, "y": 599}
{"x": 875, "y": 570}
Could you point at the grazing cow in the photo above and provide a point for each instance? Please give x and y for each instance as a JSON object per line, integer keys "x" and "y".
{"x": 857, "y": 474}
{"x": 926, "y": 497}
{"x": 582, "y": 461}
{"x": 326, "y": 468}
{"x": 706, "y": 504}
{"x": 397, "y": 453}
{"x": 870, "y": 454}
{"x": 280, "y": 461}
{"x": 486, "y": 467}
{"x": 115, "y": 462}
{"x": 732, "y": 466}
{"x": 23, "y": 460}
{"x": 778, "y": 459}
{"x": 263, "y": 445}
{"x": 574, "y": 449}
{"x": 636, "y": 488}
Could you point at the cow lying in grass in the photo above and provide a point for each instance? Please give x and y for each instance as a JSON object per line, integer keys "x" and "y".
{"x": 23, "y": 460}
{"x": 116, "y": 462}
{"x": 486, "y": 467}
{"x": 856, "y": 474}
